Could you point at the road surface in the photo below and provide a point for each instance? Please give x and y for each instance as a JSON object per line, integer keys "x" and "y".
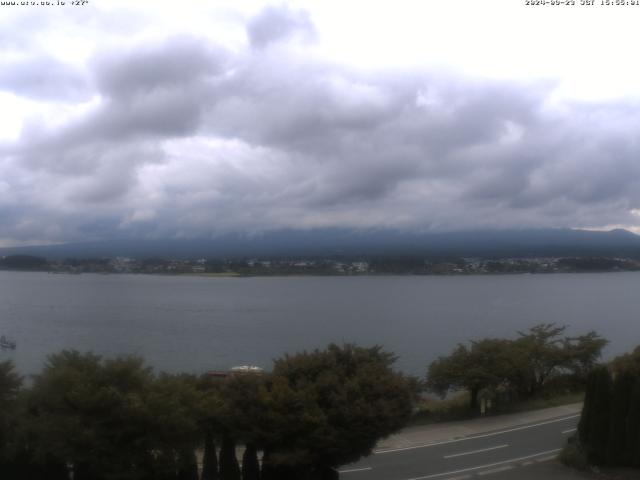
{"x": 477, "y": 456}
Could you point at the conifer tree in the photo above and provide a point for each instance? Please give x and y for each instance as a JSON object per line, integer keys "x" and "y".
{"x": 229, "y": 468}
{"x": 187, "y": 465}
{"x": 596, "y": 421}
{"x": 250, "y": 465}
{"x": 632, "y": 434}
{"x": 209, "y": 459}
{"x": 621, "y": 399}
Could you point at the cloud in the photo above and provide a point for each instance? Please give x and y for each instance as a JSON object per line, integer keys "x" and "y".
{"x": 278, "y": 24}
{"x": 44, "y": 78}
{"x": 181, "y": 137}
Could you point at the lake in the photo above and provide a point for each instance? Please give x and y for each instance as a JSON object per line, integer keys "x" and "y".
{"x": 194, "y": 324}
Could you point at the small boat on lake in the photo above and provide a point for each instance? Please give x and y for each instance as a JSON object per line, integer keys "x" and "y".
{"x": 5, "y": 343}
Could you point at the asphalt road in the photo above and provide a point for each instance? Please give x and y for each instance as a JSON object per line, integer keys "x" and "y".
{"x": 471, "y": 457}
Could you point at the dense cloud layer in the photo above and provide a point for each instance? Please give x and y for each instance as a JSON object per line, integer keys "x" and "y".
{"x": 180, "y": 137}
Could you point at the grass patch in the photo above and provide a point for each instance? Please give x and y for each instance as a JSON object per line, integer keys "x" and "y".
{"x": 433, "y": 410}
{"x": 539, "y": 403}
{"x": 456, "y": 407}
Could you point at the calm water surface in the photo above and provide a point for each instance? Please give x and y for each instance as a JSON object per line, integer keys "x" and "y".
{"x": 197, "y": 323}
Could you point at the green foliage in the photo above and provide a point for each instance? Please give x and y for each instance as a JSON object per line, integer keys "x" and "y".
{"x": 593, "y": 428}
{"x": 632, "y": 430}
{"x": 229, "y": 468}
{"x": 609, "y": 428}
{"x": 629, "y": 362}
{"x": 327, "y": 408}
{"x": 621, "y": 401}
{"x": 250, "y": 465}
{"x": 10, "y": 384}
{"x": 573, "y": 456}
{"x": 113, "y": 418}
{"x": 486, "y": 364}
{"x": 515, "y": 368}
{"x": 209, "y": 458}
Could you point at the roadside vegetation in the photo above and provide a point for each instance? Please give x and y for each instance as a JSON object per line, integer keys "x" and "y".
{"x": 609, "y": 430}
{"x": 540, "y": 368}
{"x": 96, "y": 418}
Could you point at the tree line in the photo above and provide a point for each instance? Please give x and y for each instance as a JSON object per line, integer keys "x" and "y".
{"x": 541, "y": 360}
{"x": 108, "y": 419}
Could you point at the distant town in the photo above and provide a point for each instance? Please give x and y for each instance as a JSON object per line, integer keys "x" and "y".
{"x": 396, "y": 265}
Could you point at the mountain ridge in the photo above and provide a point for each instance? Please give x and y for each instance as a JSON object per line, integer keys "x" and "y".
{"x": 354, "y": 243}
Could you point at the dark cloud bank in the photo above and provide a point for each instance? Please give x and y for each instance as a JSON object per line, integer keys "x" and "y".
{"x": 185, "y": 139}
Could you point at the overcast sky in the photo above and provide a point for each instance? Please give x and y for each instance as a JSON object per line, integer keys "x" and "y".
{"x": 195, "y": 118}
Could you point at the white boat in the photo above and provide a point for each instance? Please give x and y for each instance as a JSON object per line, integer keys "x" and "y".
{"x": 6, "y": 343}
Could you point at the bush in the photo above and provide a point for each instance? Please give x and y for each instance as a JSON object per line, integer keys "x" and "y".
{"x": 572, "y": 455}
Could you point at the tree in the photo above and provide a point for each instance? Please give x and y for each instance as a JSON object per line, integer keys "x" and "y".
{"x": 250, "y": 464}
{"x": 521, "y": 366}
{"x": 330, "y": 407}
{"x": 486, "y": 364}
{"x": 632, "y": 432}
{"x": 593, "y": 428}
{"x": 114, "y": 418}
{"x": 583, "y": 352}
{"x": 92, "y": 414}
{"x": 629, "y": 362}
{"x": 209, "y": 458}
{"x": 10, "y": 384}
{"x": 229, "y": 468}
{"x": 623, "y": 386}
{"x": 544, "y": 350}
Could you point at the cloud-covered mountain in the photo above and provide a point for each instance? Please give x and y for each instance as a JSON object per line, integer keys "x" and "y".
{"x": 180, "y": 136}
{"x": 340, "y": 242}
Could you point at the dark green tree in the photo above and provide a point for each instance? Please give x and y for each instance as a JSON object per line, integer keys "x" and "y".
{"x": 593, "y": 428}
{"x": 486, "y": 364}
{"x": 250, "y": 464}
{"x": 209, "y": 458}
{"x": 621, "y": 401}
{"x": 330, "y": 407}
{"x": 629, "y": 362}
{"x": 229, "y": 468}
{"x": 187, "y": 465}
{"x": 632, "y": 430}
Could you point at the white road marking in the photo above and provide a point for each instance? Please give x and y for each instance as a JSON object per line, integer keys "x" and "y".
{"x": 496, "y": 470}
{"x": 546, "y": 459}
{"x": 528, "y": 462}
{"x": 485, "y": 435}
{"x": 476, "y": 451}
{"x": 351, "y": 470}
{"x": 470, "y": 469}
{"x": 569, "y": 431}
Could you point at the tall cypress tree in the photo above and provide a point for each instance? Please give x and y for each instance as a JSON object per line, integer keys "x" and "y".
{"x": 620, "y": 403}
{"x": 210, "y": 458}
{"x": 229, "y": 468}
{"x": 595, "y": 425}
{"x": 267, "y": 472}
{"x": 587, "y": 410}
{"x": 632, "y": 434}
{"x": 250, "y": 465}
{"x": 187, "y": 465}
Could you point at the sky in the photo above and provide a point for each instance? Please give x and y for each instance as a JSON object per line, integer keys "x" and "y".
{"x": 160, "y": 119}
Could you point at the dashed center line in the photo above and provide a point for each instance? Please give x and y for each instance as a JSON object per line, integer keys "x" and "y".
{"x": 569, "y": 431}
{"x": 496, "y": 470}
{"x": 351, "y": 470}
{"x": 475, "y": 437}
{"x": 476, "y": 451}
{"x": 480, "y": 467}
